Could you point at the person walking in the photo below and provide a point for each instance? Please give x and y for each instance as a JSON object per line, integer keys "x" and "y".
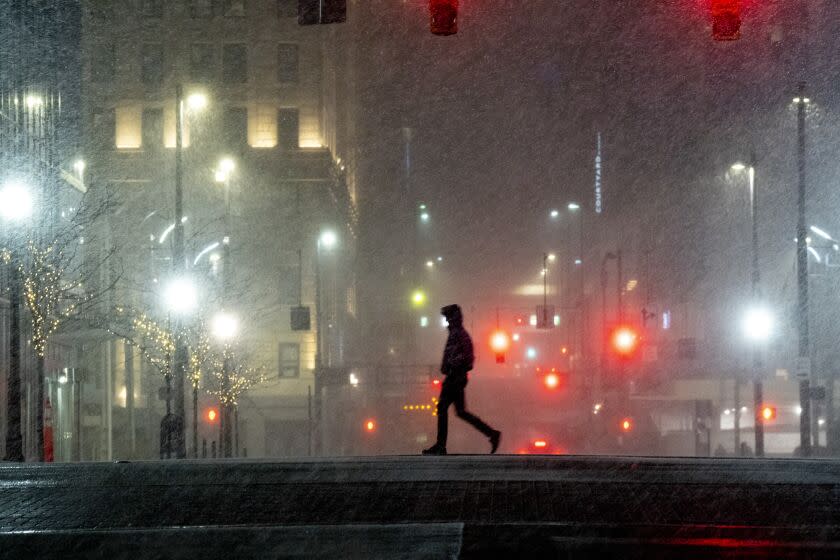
{"x": 458, "y": 358}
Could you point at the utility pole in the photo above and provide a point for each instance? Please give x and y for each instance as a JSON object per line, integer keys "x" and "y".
{"x": 179, "y": 266}
{"x": 803, "y": 367}
{"x": 226, "y": 439}
{"x": 758, "y": 389}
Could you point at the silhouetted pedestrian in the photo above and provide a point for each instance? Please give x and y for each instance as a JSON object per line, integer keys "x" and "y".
{"x": 458, "y": 358}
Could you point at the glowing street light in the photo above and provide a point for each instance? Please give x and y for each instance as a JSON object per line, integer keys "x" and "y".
{"x": 197, "y": 101}
{"x": 573, "y": 206}
{"x": 555, "y": 213}
{"x": 16, "y": 202}
{"x": 757, "y": 324}
{"x": 181, "y": 295}
{"x": 225, "y": 326}
{"x": 418, "y": 298}
{"x": 328, "y": 239}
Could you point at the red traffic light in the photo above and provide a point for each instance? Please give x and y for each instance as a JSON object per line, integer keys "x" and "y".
{"x": 211, "y": 415}
{"x": 627, "y": 425}
{"x": 444, "y": 16}
{"x": 624, "y": 341}
{"x": 370, "y": 425}
{"x": 551, "y": 380}
{"x": 768, "y": 413}
{"x": 500, "y": 341}
{"x": 726, "y": 20}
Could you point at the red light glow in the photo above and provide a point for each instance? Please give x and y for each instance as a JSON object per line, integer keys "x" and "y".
{"x": 541, "y": 443}
{"x": 768, "y": 413}
{"x": 500, "y": 341}
{"x": 625, "y": 341}
{"x": 436, "y": 382}
{"x": 212, "y": 415}
{"x": 370, "y": 426}
{"x": 627, "y": 424}
{"x": 552, "y": 381}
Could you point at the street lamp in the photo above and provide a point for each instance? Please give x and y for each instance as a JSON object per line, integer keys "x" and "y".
{"x": 225, "y": 326}
{"x": 16, "y": 202}
{"x": 757, "y": 324}
{"x": 328, "y": 239}
{"x": 197, "y": 101}
{"x": 181, "y": 296}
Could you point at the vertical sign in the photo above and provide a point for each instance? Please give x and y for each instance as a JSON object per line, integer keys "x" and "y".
{"x": 599, "y": 202}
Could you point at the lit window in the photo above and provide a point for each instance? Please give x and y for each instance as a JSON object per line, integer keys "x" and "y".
{"x": 128, "y": 128}
{"x": 263, "y": 127}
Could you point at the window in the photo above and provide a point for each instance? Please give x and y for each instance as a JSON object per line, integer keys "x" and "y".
{"x": 287, "y": 8}
{"x": 289, "y": 291}
{"x": 151, "y": 65}
{"x": 202, "y": 62}
{"x": 264, "y": 131}
{"x": 151, "y": 8}
{"x": 102, "y": 64}
{"x": 289, "y": 129}
{"x": 152, "y": 129}
{"x": 128, "y": 125}
{"x": 234, "y": 8}
{"x": 103, "y": 128}
{"x": 235, "y": 63}
{"x": 201, "y": 8}
{"x": 287, "y": 63}
{"x": 289, "y": 360}
{"x": 235, "y": 128}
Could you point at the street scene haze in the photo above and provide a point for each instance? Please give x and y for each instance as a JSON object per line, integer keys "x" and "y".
{"x": 299, "y": 263}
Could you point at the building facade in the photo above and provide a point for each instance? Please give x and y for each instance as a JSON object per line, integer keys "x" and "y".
{"x": 268, "y": 168}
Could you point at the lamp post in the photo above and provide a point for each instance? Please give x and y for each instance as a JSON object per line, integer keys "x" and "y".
{"x": 225, "y": 325}
{"x": 755, "y": 276}
{"x": 327, "y": 241}
{"x": 180, "y": 298}
{"x": 195, "y": 102}
{"x": 16, "y": 205}
{"x": 804, "y": 356}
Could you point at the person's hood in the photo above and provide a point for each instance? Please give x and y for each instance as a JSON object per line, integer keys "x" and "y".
{"x": 453, "y": 315}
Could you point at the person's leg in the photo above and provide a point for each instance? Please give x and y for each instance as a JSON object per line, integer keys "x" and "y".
{"x": 446, "y": 395}
{"x": 459, "y": 400}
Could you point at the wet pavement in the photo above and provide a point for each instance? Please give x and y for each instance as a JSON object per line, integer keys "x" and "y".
{"x": 423, "y": 507}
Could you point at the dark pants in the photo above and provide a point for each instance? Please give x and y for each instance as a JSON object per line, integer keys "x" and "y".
{"x": 452, "y": 392}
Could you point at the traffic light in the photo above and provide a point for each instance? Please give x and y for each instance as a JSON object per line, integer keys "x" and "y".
{"x": 212, "y": 415}
{"x": 624, "y": 341}
{"x": 551, "y": 380}
{"x": 626, "y": 425}
{"x": 313, "y": 12}
{"x": 499, "y": 343}
{"x": 726, "y": 20}
{"x": 444, "y": 16}
{"x": 370, "y": 426}
{"x": 768, "y": 413}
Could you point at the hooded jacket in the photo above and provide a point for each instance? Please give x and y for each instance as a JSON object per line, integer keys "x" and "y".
{"x": 458, "y": 356}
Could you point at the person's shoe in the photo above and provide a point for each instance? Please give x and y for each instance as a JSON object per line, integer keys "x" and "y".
{"x": 494, "y": 441}
{"x": 435, "y": 450}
